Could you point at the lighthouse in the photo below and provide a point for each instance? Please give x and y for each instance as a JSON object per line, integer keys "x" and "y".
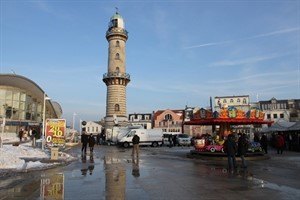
{"x": 116, "y": 78}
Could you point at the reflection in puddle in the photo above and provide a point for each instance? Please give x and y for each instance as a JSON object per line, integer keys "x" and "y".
{"x": 52, "y": 187}
{"x": 135, "y": 167}
{"x": 87, "y": 168}
{"x": 255, "y": 182}
{"x": 286, "y": 189}
{"x": 115, "y": 178}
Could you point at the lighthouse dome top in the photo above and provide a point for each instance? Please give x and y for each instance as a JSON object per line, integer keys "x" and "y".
{"x": 116, "y": 21}
{"x": 116, "y": 16}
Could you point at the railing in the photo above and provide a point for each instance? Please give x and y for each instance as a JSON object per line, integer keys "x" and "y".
{"x": 116, "y": 30}
{"x": 116, "y": 75}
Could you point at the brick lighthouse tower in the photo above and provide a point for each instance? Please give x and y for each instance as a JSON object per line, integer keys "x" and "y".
{"x": 116, "y": 78}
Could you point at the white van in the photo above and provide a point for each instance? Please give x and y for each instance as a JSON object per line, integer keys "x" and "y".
{"x": 117, "y": 132}
{"x": 151, "y": 137}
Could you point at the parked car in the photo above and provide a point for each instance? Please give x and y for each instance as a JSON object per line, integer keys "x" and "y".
{"x": 166, "y": 139}
{"x": 254, "y": 146}
{"x": 215, "y": 148}
{"x": 184, "y": 140}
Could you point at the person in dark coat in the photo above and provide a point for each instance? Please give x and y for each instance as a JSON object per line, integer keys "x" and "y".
{"x": 242, "y": 148}
{"x": 136, "y": 145}
{"x": 256, "y": 138}
{"x": 21, "y": 133}
{"x": 230, "y": 146}
{"x": 279, "y": 143}
{"x": 264, "y": 143}
{"x": 170, "y": 139}
{"x": 92, "y": 142}
{"x": 174, "y": 138}
{"x": 98, "y": 138}
{"x": 84, "y": 141}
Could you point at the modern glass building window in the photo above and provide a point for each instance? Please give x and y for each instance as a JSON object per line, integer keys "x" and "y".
{"x": 21, "y": 104}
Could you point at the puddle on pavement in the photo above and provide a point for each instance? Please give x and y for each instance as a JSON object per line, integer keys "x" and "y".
{"x": 253, "y": 182}
{"x": 99, "y": 177}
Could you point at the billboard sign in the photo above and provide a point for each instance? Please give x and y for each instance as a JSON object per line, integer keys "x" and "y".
{"x": 55, "y": 132}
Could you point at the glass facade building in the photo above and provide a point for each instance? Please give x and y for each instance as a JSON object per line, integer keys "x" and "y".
{"x": 21, "y": 104}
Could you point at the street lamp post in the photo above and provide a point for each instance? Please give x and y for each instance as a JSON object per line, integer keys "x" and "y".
{"x": 3, "y": 126}
{"x": 73, "y": 125}
{"x": 44, "y": 119}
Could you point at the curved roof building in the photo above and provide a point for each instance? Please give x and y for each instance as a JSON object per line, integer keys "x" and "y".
{"x": 21, "y": 103}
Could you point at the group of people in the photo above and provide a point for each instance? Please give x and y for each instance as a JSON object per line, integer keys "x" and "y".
{"x": 239, "y": 147}
{"x": 87, "y": 140}
{"x": 231, "y": 149}
{"x": 24, "y": 134}
{"x": 90, "y": 140}
{"x": 101, "y": 138}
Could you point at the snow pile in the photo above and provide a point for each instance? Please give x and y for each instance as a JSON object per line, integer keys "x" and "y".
{"x": 12, "y": 157}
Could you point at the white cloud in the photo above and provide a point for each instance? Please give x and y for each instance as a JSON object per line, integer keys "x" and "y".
{"x": 246, "y": 60}
{"x": 255, "y": 76}
{"x": 279, "y": 32}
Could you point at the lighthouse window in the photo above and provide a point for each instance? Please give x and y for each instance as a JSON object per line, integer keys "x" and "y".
{"x": 117, "y": 57}
{"x": 117, "y": 43}
{"x": 114, "y": 23}
{"x": 117, "y": 107}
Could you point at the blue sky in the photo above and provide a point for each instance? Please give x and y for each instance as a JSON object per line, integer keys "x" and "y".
{"x": 178, "y": 52}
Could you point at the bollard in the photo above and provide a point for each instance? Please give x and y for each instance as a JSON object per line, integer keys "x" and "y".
{"x": 54, "y": 153}
{"x": 33, "y": 142}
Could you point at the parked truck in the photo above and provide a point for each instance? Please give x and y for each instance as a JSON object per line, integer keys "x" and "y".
{"x": 149, "y": 137}
{"x": 116, "y": 133}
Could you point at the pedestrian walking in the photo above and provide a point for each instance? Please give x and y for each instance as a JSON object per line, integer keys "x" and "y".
{"x": 279, "y": 143}
{"x": 84, "y": 141}
{"x": 230, "y": 149}
{"x": 33, "y": 136}
{"x": 136, "y": 144}
{"x": 92, "y": 142}
{"x": 174, "y": 138}
{"x": 170, "y": 139}
{"x": 21, "y": 133}
{"x": 242, "y": 148}
{"x": 264, "y": 143}
{"x": 98, "y": 138}
{"x": 103, "y": 136}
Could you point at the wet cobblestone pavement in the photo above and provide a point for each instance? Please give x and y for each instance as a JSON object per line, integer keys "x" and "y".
{"x": 159, "y": 173}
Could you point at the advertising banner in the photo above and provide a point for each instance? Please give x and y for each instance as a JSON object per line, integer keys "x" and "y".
{"x": 55, "y": 132}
